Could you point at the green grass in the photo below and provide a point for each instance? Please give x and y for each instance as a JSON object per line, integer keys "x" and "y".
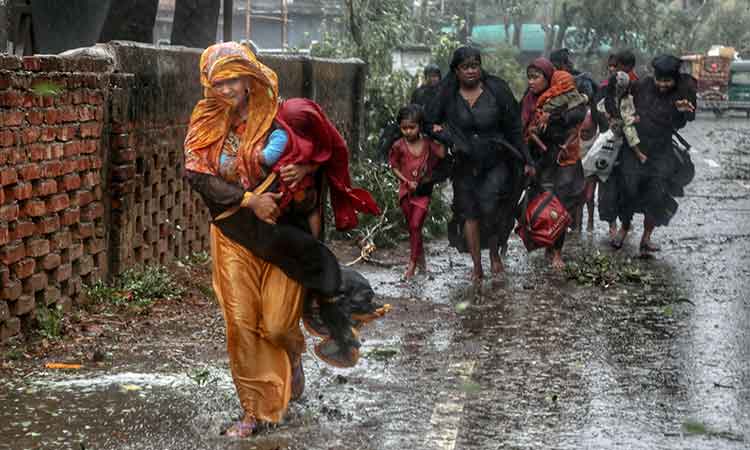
{"x": 49, "y": 322}
{"x": 138, "y": 287}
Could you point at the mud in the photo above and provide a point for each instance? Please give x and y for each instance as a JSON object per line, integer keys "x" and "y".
{"x": 530, "y": 360}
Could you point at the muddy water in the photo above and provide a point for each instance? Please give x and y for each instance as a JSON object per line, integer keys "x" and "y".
{"x": 527, "y": 361}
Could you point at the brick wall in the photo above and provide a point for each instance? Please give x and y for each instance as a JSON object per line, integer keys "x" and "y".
{"x": 91, "y": 176}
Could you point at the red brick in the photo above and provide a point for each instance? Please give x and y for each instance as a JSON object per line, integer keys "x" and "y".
{"x": 63, "y": 272}
{"x": 44, "y": 188}
{"x": 4, "y": 234}
{"x": 55, "y": 151}
{"x": 11, "y": 99}
{"x": 77, "y": 97}
{"x": 60, "y": 240}
{"x": 94, "y": 246}
{"x": 49, "y": 134}
{"x": 95, "y": 98}
{"x": 48, "y": 224}
{"x": 72, "y": 148}
{"x": 90, "y": 179}
{"x": 11, "y": 118}
{"x": 84, "y": 164}
{"x": 70, "y": 216}
{"x": 9, "y": 212}
{"x": 29, "y": 135}
{"x": 75, "y": 251}
{"x": 90, "y": 146}
{"x": 82, "y": 198}
{"x": 96, "y": 162}
{"x": 51, "y": 169}
{"x": 92, "y": 211}
{"x": 2, "y": 196}
{"x": 8, "y": 175}
{"x": 91, "y": 130}
{"x": 51, "y": 295}
{"x": 12, "y": 252}
{"x": 12, "y": 290}
{"x": 9, "y": 62}
{"x": 35, "y": 117}
{"x": 7, "y": 138}
{"x": 31, "y": 63}
{"x": 17, "y": 156}
{"x": 122, "y": 173}
{"x": 118, "y": 141}
{"x": 34, "y": 283}
{"x": 58, "y": 202}
{"x": 69, "y": 166}
{"x": 69, "y": 114}
{"x": 21, "y": 229}
{"x": 66, "y": 133}
{"x": 51, "y": 261}
{"x": 86, "y": 114}
{"x": 33, "y": 208}
{"x": 84, "y": 230}
{"x": 52, "y": 116}
{"x": 22, "y": 191}
{"x": 24, "y": 305}
{"x": 37, "y": 247}
{"x": 24, "y": 268}
{"x": 29, "y": 172}
{"x": 10, "y": 328}
{"x": 4, "y": 155}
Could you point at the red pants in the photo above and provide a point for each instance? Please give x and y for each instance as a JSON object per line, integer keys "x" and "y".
{"x": 415, "y": 217}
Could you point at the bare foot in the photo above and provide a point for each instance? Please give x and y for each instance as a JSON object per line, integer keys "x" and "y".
{"x": 619, "y": 238}
{"x": 557, "y": 261}
{"x": 477, "y": 275}
{"x": 612, "y": 231}
{"x": 422, "y": 264}
{"x": 496, "y": 266}
{"x": 590, "y": 225}
{"x": 244, "y": 428}
{"x": 410, "y": 269}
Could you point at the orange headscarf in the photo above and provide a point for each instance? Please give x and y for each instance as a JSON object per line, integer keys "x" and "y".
{"x": 210, "y": 121}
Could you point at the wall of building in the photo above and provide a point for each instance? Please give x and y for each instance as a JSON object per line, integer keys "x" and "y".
{"x": 91, "y": 163}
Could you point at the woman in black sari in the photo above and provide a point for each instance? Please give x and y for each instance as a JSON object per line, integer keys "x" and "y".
{"x": 479, "y": 117}
{"x": 665, "y": 103}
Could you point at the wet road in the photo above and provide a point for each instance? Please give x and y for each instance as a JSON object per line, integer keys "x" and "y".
{"x": 529, "y": 361}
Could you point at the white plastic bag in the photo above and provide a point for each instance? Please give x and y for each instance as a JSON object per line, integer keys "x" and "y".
{"x": 601, "y": 157}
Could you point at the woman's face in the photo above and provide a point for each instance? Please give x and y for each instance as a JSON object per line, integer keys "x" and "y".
{"x": 469, "y": 72}
{"x": 234, "y": 90}
{"x": 537, "y": 82}
{"x": 664, "y": 85}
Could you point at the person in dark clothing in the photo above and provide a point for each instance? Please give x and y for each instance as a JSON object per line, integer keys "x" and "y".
{"x": 665, "y": 103}
{"x": 425, "y": 93}
{"x": 554, "y": 138}
{"x": 477, "y": 114}
{"x": 585, "y": 84}
{"x": 625, "y": 62}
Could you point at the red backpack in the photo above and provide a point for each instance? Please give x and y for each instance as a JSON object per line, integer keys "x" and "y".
{"x": 543, "y": 220}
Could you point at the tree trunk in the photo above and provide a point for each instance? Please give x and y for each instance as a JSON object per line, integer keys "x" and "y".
{"x": 130, "y": 20}
{"x": 517, "y": 29}
{"x": 195, "y": 23}
{"x": 4, "y": 25}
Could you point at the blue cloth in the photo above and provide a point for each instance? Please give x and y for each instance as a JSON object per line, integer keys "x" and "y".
{"x": 275, "y": 147}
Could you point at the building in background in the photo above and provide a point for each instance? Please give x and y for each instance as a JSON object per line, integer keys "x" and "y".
{"x": 304, "y": 21}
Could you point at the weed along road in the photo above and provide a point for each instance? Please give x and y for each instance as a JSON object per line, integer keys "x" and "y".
{"x": 615, "y": 353}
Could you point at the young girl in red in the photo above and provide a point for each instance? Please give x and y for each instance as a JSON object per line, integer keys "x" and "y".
{"x": 412, "y": 159}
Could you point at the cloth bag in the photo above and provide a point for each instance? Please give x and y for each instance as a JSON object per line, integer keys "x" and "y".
{"x": 600, "y": 159}
{"x": 543, "y": 220}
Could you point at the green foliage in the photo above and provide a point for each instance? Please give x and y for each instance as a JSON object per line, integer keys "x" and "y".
{"x": 138, "y": 287}
{"x": 47, "y": 88}
{"x": 598, "y": 269}
{"x": 49, "y": 322}
{"x": 501, "y": 60}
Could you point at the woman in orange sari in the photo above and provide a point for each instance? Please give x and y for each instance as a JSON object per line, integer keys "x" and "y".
{"x": 255, "y": 176}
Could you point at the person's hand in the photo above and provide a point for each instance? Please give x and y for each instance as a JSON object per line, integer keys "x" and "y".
{"x": 641, "y": 156}
{"x": 529, "y": 170}
{"x": 292, "y": 174}
{"x": 411, "y": 185}
{"x": 265, "y": 206}
{"x": 684, "y": 105}
{"x": 437, "y": 129}
{"x": 543, "y": 121}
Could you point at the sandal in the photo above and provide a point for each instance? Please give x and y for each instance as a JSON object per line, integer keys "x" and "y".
{"x": 298, "y": 379}
{"x": 649, "y": 247}
{"x": 242, "y": 429}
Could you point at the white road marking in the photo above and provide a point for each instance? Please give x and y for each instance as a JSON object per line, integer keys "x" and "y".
{"x": 447, "y": 414}
{"x": 711, "y": 163}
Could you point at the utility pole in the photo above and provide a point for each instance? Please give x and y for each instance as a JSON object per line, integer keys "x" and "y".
{"x": 228, "y": 11}
{"x": 284, "y": 20}
{"x": 248, "y": 10}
